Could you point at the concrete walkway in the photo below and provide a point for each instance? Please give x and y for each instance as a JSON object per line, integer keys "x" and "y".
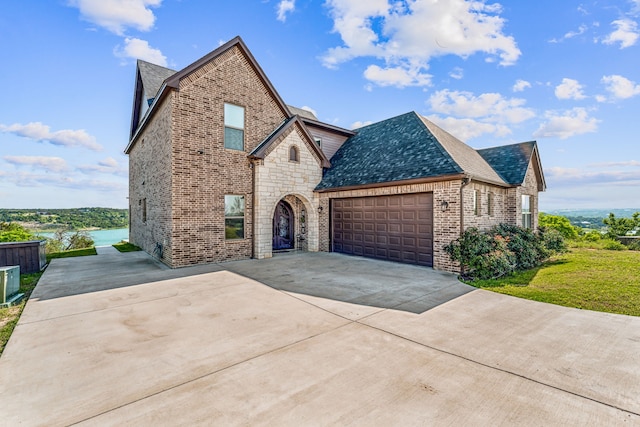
{"x": 118, "y": 339}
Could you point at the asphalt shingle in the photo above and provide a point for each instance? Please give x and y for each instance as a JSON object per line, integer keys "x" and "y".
{"x": 510, "y": 161}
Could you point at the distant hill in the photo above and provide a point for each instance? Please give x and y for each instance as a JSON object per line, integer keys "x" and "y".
{"x": 74, "y": 219}
{"x": 596, "y": 213}
{"x": 591, "y": 218}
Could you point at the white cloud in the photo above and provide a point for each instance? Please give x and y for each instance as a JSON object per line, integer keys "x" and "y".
{"x": 466, "y": 129}
{"x": 568, "y": 176}
{"x": 571, "y": 34}
{"x": 396, "y": 76}
{"x": 39, "y": 132}
{"x": 108, "y": 165}
{"x": 567, "y": 124}
{"x": 457, "y": 73}
{"x": 49, "y": 164}
{"x": 117, "y": 15}
{"x": 521, "y": 85}
{"x": 358, "y": 124}
{"x": 626, "y": 33}
{"x": 629, "y": 163}
{"x": 491, "y": 107}
{"x": 471, "y": 116}
{"x": 569, "y": 89}
{"x": 139, "y": 49}
{"x": 621, "y": 87}
{"x": 285, "y": 7}
{"x": 405, "y": 36}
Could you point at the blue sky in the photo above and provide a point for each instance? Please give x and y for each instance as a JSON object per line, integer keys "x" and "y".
{"x": 564, "y": 73}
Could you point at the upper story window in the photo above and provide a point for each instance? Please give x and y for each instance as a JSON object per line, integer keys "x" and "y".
{"x": 233, "y": 127}
{"x": 294, "y": 156}
{"x": 526, "y": 211}
{"x": 318, "y": 141}
{"x": 490, "y": 204}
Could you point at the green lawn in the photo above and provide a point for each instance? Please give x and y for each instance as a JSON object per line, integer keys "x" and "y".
{"x": 72, "y": 253}
{"x": 591, "y": 279}
{"x": 126, "y": 247}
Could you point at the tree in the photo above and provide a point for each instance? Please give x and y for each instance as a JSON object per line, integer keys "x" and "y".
{"x": 12, "y": 232}
{"x": 64, "y": 241}
{"x": 621, "y": 226}
{"x": 559, "y": 223}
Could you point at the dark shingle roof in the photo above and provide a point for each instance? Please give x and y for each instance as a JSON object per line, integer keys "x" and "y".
{"x": 395, "y": 149}
{"x": 152, "y": 77}
{"x": 510, "y": 161}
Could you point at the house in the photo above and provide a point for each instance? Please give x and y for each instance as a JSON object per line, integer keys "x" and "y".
{"x": 221, "y": 168}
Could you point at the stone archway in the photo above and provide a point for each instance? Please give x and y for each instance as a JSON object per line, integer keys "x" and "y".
{"x": 302, "y": 224}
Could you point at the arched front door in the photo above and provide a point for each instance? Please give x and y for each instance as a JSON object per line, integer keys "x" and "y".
{"x": 283, "y": 227}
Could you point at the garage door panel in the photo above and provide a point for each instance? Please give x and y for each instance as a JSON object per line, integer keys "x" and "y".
{"x": 396, "y": 228}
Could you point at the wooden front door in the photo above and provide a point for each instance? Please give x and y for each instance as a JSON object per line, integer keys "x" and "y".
{"x": 283, "y": 229}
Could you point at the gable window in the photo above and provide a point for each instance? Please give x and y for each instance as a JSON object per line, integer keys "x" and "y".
{"x": 490, "y": 204}
{"x": 233, "y": 217}
{"x": 293, "y": 154}
{"x": 318, "y": 141}
{"x": 476, "y": 202}
{"x": 233, "y": 127}
{"x": 526, "y": 211}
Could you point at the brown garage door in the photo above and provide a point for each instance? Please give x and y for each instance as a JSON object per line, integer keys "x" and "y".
{"x": 395, "y": 228}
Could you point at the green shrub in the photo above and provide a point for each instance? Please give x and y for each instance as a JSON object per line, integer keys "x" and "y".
{"x": 614, "y": 245}
{"x": 592, "y": 236}
{"x": 502, "y": 250}
{"x": 559, "y": 223}
{"x": 14, "y": 232}
{"x": 634, "y": 246}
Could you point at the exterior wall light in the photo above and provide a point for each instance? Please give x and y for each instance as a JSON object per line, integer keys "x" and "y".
{"x": 444, "y": 206}
{"x": 319, "y": 209}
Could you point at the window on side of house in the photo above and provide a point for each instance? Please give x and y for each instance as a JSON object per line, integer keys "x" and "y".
{"x": 233, "y": 217}
{"x": 318, "y": 141}
{"x": 490, "y": 204}
{"x": 233, "y": 127}
{"x": 293, "y": 154}
{"x": 476, "y": 202}
{"x": 526, "y": 211}
{"x": 144, "y": 210}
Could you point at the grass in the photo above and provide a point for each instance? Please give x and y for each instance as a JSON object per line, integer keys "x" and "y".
{"x": 590, "y": 279}
{"x": 126, "y": 247}
{"x": 72, "y": 253}
{"x": 9, "y": 316}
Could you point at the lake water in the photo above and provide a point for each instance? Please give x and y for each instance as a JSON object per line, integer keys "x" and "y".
{"x": 104, "y": 237}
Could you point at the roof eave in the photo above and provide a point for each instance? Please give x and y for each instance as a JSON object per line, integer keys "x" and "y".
{"x": 424, "y": 180}
{"x": 317, "y": 123}
{"x": 164, "y": 90}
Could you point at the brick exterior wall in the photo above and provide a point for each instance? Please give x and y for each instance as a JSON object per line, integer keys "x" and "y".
{"x": 483, "y": 220}
{"x": 279, "y": 178}
{"x": 150, "y": 182}
{"x": 200, "y": 170}
{"x": 529, "y": 187}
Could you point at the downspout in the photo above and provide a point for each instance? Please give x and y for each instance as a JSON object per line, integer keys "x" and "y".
{"x": 465, "y": 181}
{"x": 252, "y": 166}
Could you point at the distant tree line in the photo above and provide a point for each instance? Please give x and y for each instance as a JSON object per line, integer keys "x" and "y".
{"x": 70, "y": 219}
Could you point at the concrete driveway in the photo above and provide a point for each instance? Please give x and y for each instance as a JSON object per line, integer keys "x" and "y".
{"x": 118, "y": 339}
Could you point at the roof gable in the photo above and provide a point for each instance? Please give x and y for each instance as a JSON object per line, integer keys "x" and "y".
{"x": 511, "y": 162}
{"x": 173, "y": 83}
{"x": 397, "y": 149}
{"x": 264, "y": 148}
